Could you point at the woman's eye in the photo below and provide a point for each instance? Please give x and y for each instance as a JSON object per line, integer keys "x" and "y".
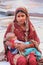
{"x": 18, "y": 16}
{"x": 22, "y": 15}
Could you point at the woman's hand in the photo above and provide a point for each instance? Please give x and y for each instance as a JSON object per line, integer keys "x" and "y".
{"x": 35, "y": 43}
{"x": 20, "y": 46}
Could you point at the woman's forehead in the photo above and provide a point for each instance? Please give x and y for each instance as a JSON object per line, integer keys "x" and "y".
{"x": 20, "y": 13}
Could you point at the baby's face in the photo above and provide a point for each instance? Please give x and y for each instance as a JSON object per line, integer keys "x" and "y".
{"x": 13, "y": 37}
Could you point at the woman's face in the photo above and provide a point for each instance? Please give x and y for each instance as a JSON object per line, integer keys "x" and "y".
{"x": 21, "y": 17}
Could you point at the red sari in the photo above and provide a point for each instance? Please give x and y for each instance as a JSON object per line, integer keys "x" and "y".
{"x": 20, "y": 33}
{"x": 21, "y": 36}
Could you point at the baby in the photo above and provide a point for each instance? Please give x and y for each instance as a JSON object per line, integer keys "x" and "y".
{"x": 13, "y": 39}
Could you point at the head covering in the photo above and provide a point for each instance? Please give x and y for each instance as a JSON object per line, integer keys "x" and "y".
{"x": 21, "y": 9}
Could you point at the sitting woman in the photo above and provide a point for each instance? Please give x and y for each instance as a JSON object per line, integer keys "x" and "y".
{"x": 25, "y": 32}
{"x": 12, "y": 38}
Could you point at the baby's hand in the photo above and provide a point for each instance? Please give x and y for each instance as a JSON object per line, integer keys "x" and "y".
{"x": 17, "y": 45}
{"x": 7, "y": 43}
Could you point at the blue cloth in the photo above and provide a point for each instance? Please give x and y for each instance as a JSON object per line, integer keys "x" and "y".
{"x": 13, "y": 51}
{"x": 29, "y": 50}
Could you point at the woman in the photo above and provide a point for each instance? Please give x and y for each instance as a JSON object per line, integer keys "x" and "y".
{"x": 24, "y": 30}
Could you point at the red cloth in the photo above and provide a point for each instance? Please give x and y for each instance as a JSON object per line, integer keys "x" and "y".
{"x": 32, "y": 59}
{"x": 12, "y": 43}
{"x": 21, "y": 36}
{"x": 10, "y": 58}
{"x": 21, "y": 33}
{"x": 22, "y": 60}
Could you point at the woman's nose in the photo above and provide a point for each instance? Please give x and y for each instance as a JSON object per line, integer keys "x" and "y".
{"x": 20, "y": 17}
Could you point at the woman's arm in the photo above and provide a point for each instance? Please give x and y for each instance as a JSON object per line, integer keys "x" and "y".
{"x": 29, "y": 45}
{"x": 8, "y": 30}
{"x": 33, "y": 37}
{"x": 33, "y": 44}
{"x": 36, "y": 40}
{"x": 4, "y": 41}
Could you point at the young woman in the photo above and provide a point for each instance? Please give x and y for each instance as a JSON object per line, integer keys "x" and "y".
{"x": 24, "y": 30}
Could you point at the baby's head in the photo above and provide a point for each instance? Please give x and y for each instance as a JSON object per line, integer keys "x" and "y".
{"x": 11, "y": 36}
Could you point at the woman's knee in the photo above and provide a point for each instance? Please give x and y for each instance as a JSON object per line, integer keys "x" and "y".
{"x": 22, "y": 61}
{"x": 32, "y": 60}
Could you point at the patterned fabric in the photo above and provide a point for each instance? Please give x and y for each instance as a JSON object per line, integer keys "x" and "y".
{"x": 16, "y": 58}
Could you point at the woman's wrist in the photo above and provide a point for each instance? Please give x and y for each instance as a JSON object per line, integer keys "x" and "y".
{"x": 29, "y": 45}
{"x": 36, "y": 44}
